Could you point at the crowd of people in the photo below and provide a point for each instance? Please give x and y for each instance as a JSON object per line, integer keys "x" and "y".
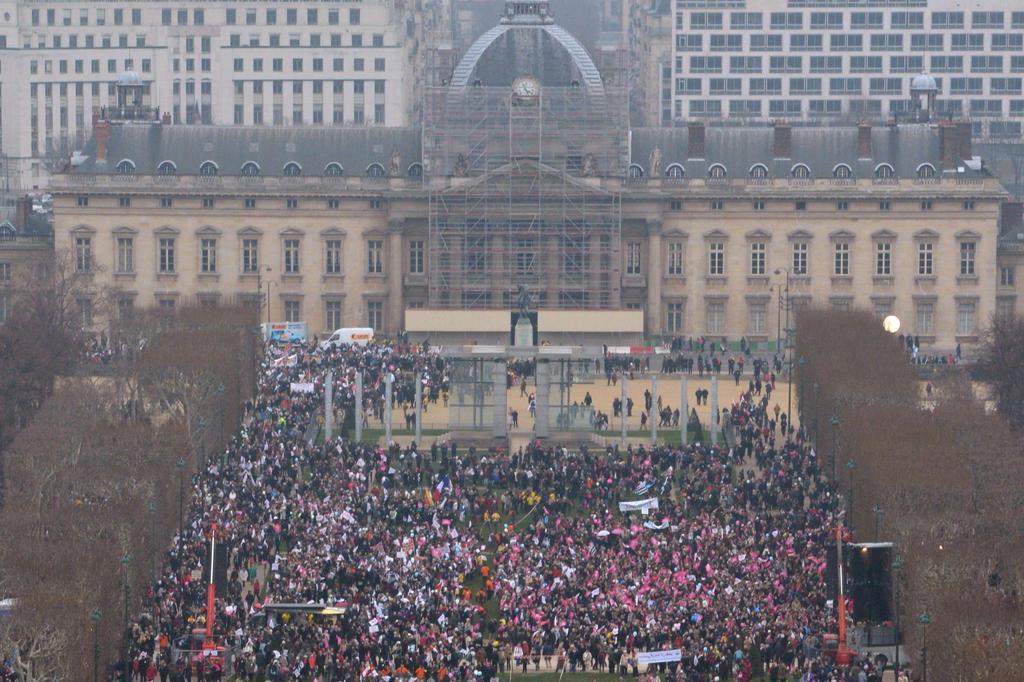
{"x": 449, "y": 563}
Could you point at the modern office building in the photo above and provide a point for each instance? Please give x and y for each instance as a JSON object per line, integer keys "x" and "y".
{"x": 744, "y": 60}
{"x": 525, "y": 173}
{"x": 243, "y": 62}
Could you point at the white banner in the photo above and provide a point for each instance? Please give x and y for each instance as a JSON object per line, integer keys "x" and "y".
{"x": 664, "y": 656}
{"x": 639, "y": 505}
{"x": 302, "y": 387}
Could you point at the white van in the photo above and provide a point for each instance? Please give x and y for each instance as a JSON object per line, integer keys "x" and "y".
{"x": 359, "y": 336}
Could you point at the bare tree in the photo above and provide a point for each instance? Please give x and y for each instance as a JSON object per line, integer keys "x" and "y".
{"x": 1002, "y": 366}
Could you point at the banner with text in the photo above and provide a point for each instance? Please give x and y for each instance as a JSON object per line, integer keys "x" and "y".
{"x": 664, "y": 656}
{"x": 639, "y": 505}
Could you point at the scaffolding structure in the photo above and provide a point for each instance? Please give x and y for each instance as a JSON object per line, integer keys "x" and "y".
{"x": 517, "y": 189}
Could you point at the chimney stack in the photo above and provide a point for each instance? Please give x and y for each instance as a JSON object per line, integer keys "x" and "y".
{"x": 782, "y": 142}
{"x": 963, "y": 129}
{"x": 102, "y": 132}
{"x": 864, "y": 140}
{"x": 948, "y": 144}
{"x": 695, "y": 140}
{"x": 22, "y": 211}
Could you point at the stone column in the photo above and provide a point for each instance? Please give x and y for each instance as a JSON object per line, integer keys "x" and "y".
{"x": 684, "y": 408}
{"x": 654, "y": 260}
{"x": 543, "y": 425}
{"x": 498, "y": 378}
{"x": 714, "y": 409}
{"x": 395, "y": 305}
{"x": 653, "y": 412}
{"x": 359, "y": 406}
{"x": 329, "y": 406}
{"x": 419, "y": 408}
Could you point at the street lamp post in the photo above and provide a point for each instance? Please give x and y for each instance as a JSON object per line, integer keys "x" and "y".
{"x": 850, "y": 466}
{"x": 125, "y": 560}
{"x": 800, "y": 394}
{"x": 878, "y": 512}
{"x": 814, "y": 387}
{"x": 897, "y": 566}
{"x": 924, "y": 619}
{"x": 834, "y": 421}
{"x": 96, "y": 616}
{"x": 789, "y": 407}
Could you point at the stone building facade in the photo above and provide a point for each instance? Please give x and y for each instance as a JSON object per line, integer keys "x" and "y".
{"x": 712, "y": 231}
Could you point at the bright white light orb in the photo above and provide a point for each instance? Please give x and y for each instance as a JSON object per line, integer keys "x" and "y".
{"x": 891, "y": 324}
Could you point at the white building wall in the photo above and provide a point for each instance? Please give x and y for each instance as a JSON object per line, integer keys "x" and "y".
{"x": 979, "y": 64}
{"x": 192, "y": 54}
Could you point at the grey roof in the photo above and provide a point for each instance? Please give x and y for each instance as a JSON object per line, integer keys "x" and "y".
{"x": 904, "y": 147}
{"x": 547, "y": 52}
{"x": 232, "y": 146}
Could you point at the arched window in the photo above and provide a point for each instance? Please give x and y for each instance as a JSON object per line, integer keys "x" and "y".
{"x": 759, "y": 171}
{"x": 375, "y": 170}
{"x": 208, "y": 168}
{"x": 800, "y": 172}
{"x": 675, "y": 171}
{"x": 842, "y": 172}
{"x": 415, "y": 170}
{"x": 635, "y": 172}
{"x": 884, "y": 171}
{"x": 926, "y": 170}
{"x": 718, "y": 172}
{"x": 125, "y": 167}
{"x": 250, "y": 168}
{"x": 166, "y": 168}
{"x": 334, "y": 170}
{"x": 292, "y": 169}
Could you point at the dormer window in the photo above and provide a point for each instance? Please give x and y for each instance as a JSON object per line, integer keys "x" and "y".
{"x": 125, "y": 167}
{"x": 250, "y": 169}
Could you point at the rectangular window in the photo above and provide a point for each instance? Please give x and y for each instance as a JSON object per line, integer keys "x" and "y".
{"x": 716, "y": 317}
{"x": 250, "y": 255}
{"x": 1007, "y": 276}
{"x": 125, "y": 255}
{"x": 799, "y": 258}
{"x": 842, "y": 259}
{"x": 883, "y": 258}
{"x": 293, "y": 311}
{"x": 758, "y": 256}
{"x": 332, "y": 314}
{"x": 966, "y": 318}
{"x": 758, "y": 317}
{"x": 925, "y": 314}
{"x": 417, "y": 251}
{"x": 83, "y": 254}
{"x": 716, "y": 258}
{"x": 675, "y": 258}
{"x": 85, "y": 312}
{"x": 166, "y": 255}
{"x": 374, "y": 256}
{"x": 332, "y": 257}
{"x": 674, "y": 318}
{"x": 925, "y": 256}
{"x": 208, "y": 256}
{"x": 5, "y": 272}
{"x": 375, "y": 314}
{"x": 947, "y": 19}
{"x": 291, "y": 256}
{"x": 633, "y": 264}
{"x": 967, "y": 251}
